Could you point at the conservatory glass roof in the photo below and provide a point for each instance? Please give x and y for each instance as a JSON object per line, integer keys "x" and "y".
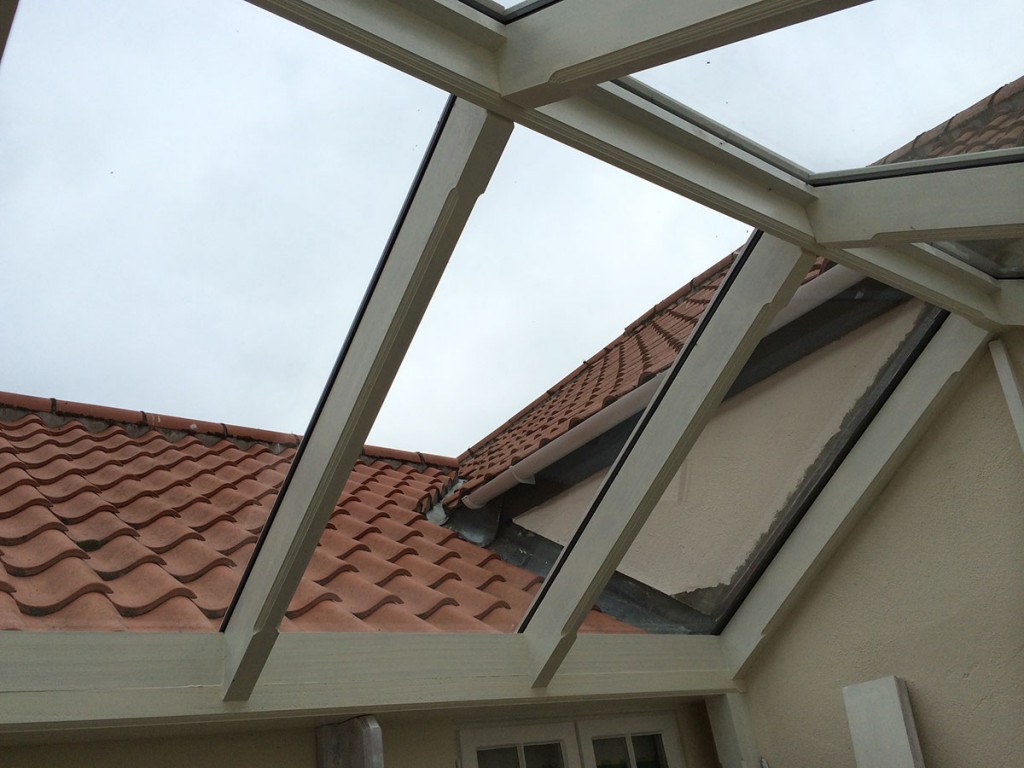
{"x": 942, "y": 229}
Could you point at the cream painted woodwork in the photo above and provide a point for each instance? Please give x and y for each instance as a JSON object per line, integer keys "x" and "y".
{"x": 458, "y": 167}
{"x": 1013, "y": 391}
{"x": 763, "y": 440}
{"x": 760, "y": 284}
{"x": 733, "y": 731}
{"x": 57, "y": 681}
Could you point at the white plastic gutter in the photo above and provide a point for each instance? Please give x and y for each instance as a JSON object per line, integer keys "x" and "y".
{"x": 808, "y": 296}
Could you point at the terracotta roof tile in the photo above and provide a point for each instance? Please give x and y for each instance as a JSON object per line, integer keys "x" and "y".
{"x": 120, "y": 520}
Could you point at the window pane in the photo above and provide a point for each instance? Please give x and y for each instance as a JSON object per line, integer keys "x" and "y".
{"x": 891, "y": 70}
{"x": 611, "y": 753}
{"x": 501, "y": 757}
{"x": 543, "y": 755}
{"x": 649, "y": 751}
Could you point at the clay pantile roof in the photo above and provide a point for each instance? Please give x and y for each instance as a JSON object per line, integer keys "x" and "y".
{"x": 646, "y": 347}
{"x": 650, "y": 344}
{"x": 995, "y": 122}
{"x": 123, "y": 520}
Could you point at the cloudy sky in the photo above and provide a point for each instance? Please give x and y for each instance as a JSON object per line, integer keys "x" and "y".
{"x": 193, "y": 195}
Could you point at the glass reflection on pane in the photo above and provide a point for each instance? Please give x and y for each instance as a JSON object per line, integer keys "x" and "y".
{"x": 649, "y": 751}
{"x": 543, "y": 755}
{"x": 611, "y": 753}
{"x": 500, "y": 757}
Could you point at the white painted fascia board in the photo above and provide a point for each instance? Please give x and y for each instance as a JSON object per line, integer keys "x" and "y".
{"x": 958, "y": 204}
{"x": 761, "y": 282}
{"x": 463, "y": 156}
{"x": 573, "y": 44}
{"x": 72, "y": 681}
{"x": 872, "y": 462}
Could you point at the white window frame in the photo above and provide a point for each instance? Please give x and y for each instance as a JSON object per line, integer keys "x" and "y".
{"x": 575, "y": 736}
{"x": 663, "y": 724}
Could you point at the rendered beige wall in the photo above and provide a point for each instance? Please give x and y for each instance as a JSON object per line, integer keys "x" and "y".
{"x": 929, "y": 586}
{"x": 744, "y": 466}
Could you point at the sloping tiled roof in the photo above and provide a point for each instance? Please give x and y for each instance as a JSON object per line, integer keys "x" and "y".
{"x": 650, "y": 344}
{"x": 995, "y": 122}
{"x": 122, "y": 520}
{"x": 646, "y": 347}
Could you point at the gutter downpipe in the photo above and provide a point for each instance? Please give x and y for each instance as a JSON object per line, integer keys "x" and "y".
{"x": 810, "y": 295}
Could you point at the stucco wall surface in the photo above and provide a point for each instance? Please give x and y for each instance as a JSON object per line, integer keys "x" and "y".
{"x": 929, "y": 586}
{"x": 744, "y": 466}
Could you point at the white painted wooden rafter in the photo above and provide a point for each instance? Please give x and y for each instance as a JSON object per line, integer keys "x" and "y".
{"x": 1013, "y": 389}
{"x": 617, "y": 126}
{"x": 464, "y": 155}
{"x": 65, "y": 681}
{"x": 871, "y": 463}
{"x": 960, "y": 204}
{"x": 761, "y": 283}
{"x": 572, "y": 44}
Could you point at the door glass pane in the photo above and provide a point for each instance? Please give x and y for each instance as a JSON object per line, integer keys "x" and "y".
{"x": 649, "y": 751}
{"x": 500, "y": 757}
{"x": 543, "y": 755}
{"x": 611, "y": 753}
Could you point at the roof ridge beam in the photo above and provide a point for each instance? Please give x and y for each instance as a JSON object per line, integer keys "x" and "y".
{"x": 869, "y": 466}
{"x": 962, "y": 203}
{"x": 456, "y": 169}
{"x": 573, "y": 44}
{"x": 761, "y": 282}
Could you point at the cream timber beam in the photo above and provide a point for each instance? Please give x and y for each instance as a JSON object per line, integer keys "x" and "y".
{"x": 960, "y": 204}
{"x": 760, "y": 283}
{"x": 869, "y": 466}
{"x": 75, "y": 682}
{"x": 946, "y": 283}
{"x": 572, "y": 44}
{"x": 1012, "y": 389}
{"x": 456, "y": 171}
{"x": 733, "y": 731}
{"x": 882, "y": 724}
{"x": 7, "y": 10}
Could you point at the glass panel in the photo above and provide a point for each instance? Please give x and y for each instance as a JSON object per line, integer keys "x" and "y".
{"x": 559, "y": 255}
{"x": 796, "y": 407}
{"x": 1002, "y": 258}
{"x": 846, "y": 89}
{"x": 499, "y": 757}
{"x": 649, "y": 751}
{"x": 543, "y": 755}
{"x": 611, "y": 753}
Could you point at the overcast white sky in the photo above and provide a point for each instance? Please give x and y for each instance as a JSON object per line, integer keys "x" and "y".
{"x": 193, "y": 195}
